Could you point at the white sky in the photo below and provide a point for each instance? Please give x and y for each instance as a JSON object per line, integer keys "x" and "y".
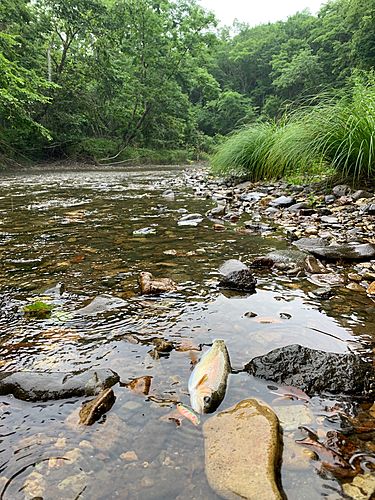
{"x": 256, "y": 12}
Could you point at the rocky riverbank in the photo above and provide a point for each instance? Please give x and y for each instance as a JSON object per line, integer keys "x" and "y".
{"x": 334, "y": 228}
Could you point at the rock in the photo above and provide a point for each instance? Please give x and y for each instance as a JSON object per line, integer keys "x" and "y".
{"x": 331, "y": 279}
{"x": 313, "y": 266}
{"x": 239, "y": 280}
{"x": 361, "y": 488}
{"x": 169, "y": 195}
{"x": 242, "y": 452}
{"x": 292, "y": 417}
{"x": 282, "y": 202}
{"x": 151, "y": 286}
{"x": 218, "y": 211}
{"x": 328, "y": 219}
{"x": 299, "y": 206}
{"x": 219, "y": 227}
{"x": 252, "y": 196}
{"x": 361, "y": 194}
{"x": 329, "y": 199}
{"x": 231, "y": 265}
{"x": 162, "y": 345}
{"x": 287, "y": 258}
{"x": 355, "y": 287}
{"x": 316, "y": 372}
{"x": 345, "y": 251}
{"x": 91, "y": 411}
{"x": 323, "y": 293}
{"x": 341, "y": 190}
{"x": 144, "y": 231}
{"x": 100, "y": 304}
{"x": 190, "y": 220}
{"x": 262, "y": 262}
{"x": 40, "y": 386}
{"x": 371, "y": 288}
{"x": 369, "y": 209}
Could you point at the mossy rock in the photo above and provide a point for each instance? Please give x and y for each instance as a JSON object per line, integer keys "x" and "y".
{"x": 38, "y": 310}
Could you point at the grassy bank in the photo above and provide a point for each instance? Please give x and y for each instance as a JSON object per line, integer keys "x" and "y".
{"x": 336, "y": 136}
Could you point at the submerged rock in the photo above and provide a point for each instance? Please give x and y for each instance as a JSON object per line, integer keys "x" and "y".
{"x": 101, "y": 304}
{"x": 316, "y": 372}
{"x": 242, "y": 452}
{"x": 154, "y": 286}
{"x": 239, "y": 280}
{"x": 40, "y": 386}
{"x": 91, "y": 411}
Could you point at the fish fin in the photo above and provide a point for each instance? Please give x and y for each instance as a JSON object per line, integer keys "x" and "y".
{"x": 202, "y": 380}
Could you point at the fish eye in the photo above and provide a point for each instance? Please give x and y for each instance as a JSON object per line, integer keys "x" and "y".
{"x": 207, "y": 399}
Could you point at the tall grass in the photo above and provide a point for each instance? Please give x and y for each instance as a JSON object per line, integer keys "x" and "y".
{"x": 336, "y": 134}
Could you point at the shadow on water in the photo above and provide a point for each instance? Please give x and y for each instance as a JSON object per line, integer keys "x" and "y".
{"x": 76, "y": 228}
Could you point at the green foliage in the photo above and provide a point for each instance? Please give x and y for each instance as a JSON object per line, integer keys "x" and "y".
{"x": 333, "y": 136}
{"x": 38, "y": 310}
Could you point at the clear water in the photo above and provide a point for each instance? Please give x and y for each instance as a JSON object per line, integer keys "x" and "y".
{"x": 76, "y": 228}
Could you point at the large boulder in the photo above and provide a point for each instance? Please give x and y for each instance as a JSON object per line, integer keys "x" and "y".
{"x": 242, "y": 452}
{"x": 316, "y": 372}
{"x": 345, "y": 251}
{"x": 239, "y": 280}
{"x": 40, "y": 386}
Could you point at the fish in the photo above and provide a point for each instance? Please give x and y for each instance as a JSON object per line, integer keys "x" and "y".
{"x": 208, "y": 381}
{"x": 188, "y": 413}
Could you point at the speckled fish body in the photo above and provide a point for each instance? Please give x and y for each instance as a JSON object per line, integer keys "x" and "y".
{"x": 189, "y": 414}
{"x": 208, "y": 380}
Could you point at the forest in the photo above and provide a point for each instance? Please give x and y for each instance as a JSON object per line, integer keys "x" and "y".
{"x": 158, "y": 80}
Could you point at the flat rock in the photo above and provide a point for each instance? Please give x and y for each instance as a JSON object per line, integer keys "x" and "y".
{"x": 326, "y": 279}
{"x": 40, "y": 386}
{"x": 100, "y": 304}
{"x": 231, "y": 265}
{"x": 316, "y": 372}
{"x": 154, "y": 286}
{"x": 190, "y": 220}
{"x": 282, "y": 202}
{"x": 252, "y": 196}
{"x": 347, "y": 251}
{"x": 242, "y": 452}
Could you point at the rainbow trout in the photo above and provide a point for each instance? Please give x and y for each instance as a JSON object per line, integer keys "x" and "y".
{"x": 208, "y": 380}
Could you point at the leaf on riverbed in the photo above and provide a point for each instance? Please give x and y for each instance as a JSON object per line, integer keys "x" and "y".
{"x": 140, "y": 385}
{"x": 77, "y": 259}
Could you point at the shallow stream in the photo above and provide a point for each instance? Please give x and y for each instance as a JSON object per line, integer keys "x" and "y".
{"x": 76, "y": 228}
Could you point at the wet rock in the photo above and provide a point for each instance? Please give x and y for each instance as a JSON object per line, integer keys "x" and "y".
{"x": 218, "y": 211}
{"x": 314, "y": 266}
{"x": 282, "y": 202}
{"x": 93, "y": 410}
{"x": 316, "y": 372}
{"x": 242, "y": 452}
{"x": 162, "y": 345}
{"x": 231, "y": 265}
{"x": 101, "y": 304}
{"x": 323, "y": 293}
{"x": 369, "y": 209}
{"x": 329, "y": 219}
{"x": 239, "y": 280}
{"x": 355, "y": 287}
{"x": 330, "y": 279}
{"x": 144, "y": 231}
{"x": 292, "y": 417}
{"x": 341, "y": 190}
{"x": 252, "y": 196}
{"x": 346, "y": 251}
{"x": 262, "y": 262}
{"x": 371, "y": 288}
{"x": 40, "y": 386}
{"x": 287, "y": 259}
{"x": 154, "y": 286}
{"x": 329, "y": 199}
{"x": 190, "y": 220}
{"x": 361, "y": 488}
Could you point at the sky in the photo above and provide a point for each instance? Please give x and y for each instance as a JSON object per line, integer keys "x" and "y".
{"x": 256, "y": 12}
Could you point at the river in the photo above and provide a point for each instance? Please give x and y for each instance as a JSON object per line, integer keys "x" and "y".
{"x": 76, "y": 228}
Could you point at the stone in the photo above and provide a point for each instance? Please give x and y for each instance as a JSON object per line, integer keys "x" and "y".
{"x": 287, "y": 258}
{"x": 242, "y": 452}
{"x": 324, "y": 293}
{"x": 100, "y": 304}
{"x": 40, "y": 386}
{"x": 91, "y": 411}
{"x": 345, "y": 251}
{"x": 355, "y": 287}
{"x": 218, "y": 211}
{"x": 371, "y": 288}
{"x": 282, "y": 202}
{"x": 298, "y": 206}
{"x": 154, "y": 286}
{"x": 357, "y": 195}
{"x": 369, "y": 209}
{"x": 262, "y": 262}
{"x": 231, "y": 265}
{"x": 169, "y": 195}
{"x": 190, "y": 220}
{"x": 239, "y": 280}
{"x": 316, "y": 372}
{"x": 361, "y": 488}
{"x": 328, "y": 219}
{"x": 329, "y": 279}
{"x": 129, "y": 456}
{"x": 292, "y": 417}
{"x": 144, "y": 231}
{"x": 329, "y": 199}
{"x": 314, "y": 266}
{"x": 341, "y": 190}
{"x": 252, "y": 196}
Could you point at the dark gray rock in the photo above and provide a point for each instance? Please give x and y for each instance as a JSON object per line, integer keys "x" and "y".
{"x": 329, "y": 199}
{"x": 40, "y": 386}
{"x": 341, "y": 190}
{"x": 316, "y": 372}
{"x": 239, "y": 280}
{"x": 282, "y": 202}
{"x": 298, "y": 206}
{"x": 345, "y": 251}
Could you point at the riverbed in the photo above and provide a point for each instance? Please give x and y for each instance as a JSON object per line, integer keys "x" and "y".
{"x": 71, "y": 236}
